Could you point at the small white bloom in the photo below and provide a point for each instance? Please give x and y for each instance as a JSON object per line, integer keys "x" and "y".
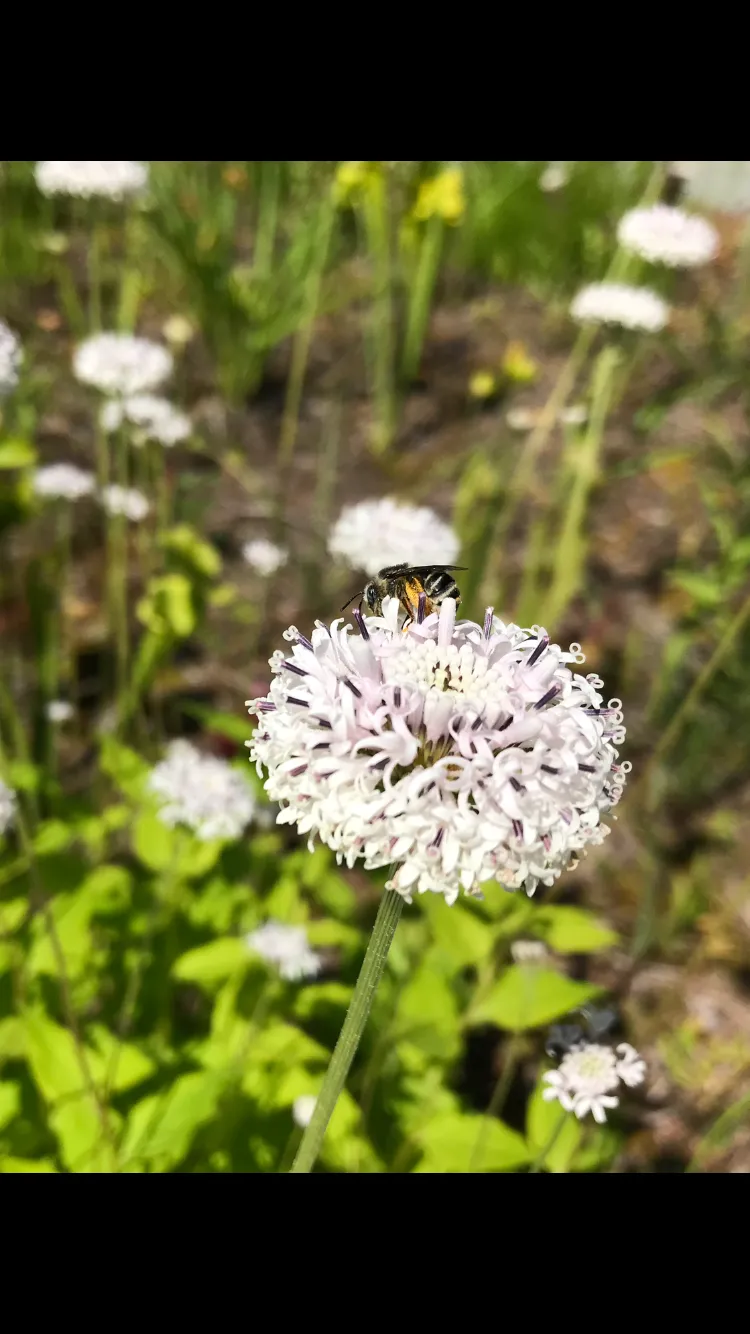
{"x": 618, "y": 303}
{"x": 59, "y": 711}
{"x": 459, "y": 753}
{"x": 670, "y": 236}
{"x": 203, "y": 792}
{"x": 576, "y": 415}
{"x": 554, "y": 177}
{"x": 287, "y": 947}
{"x": 376, "y": 533}
{"x": 178, "y": 330}
{"x": 723, "y": 186}
{"x": 529, "y": 951}
{"x": 8, "y": 806}
{"x": 303, "y": 1109}
{"x": 109, "y": 180}
{"x": 587, "y": 1077}
{"x": 10, "y": 359}
{"x": 264, "y": 557}
{"x": 123, "y": 500}
{"x": 119, "y": 363}
{"x": 156, "y": 419}
{"x": 62, "y": 481}
{"x": 522, "y": 419}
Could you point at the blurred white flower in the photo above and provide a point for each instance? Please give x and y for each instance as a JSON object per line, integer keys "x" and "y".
{"x": 59, "y": 711}
{"x": 588, "y": 1076}
{"x": 8, "y": 806}
{"x": 618, "y": 303}
{"x": 554, "y": 177}
{"x": 684, "y": 171}
{"x": 156, "y": 419}
{"x": 286, "y": 946}
{"x": 109, "y": 180}
{"x": 119, "y": 363}
{"x": 576, "y": 415}
{"x": 529, "y": 951}
{"x": 62, "y": 481}
{"x": 202, "y": 792}
{"x": 722, "y": 186}
{"x": 460, "y": 753}
{"x": 525, "y": 419}
{"x": 376, "y": 533}
{"x": 178, "y": 330}
{"x": 123, "y": 500}
{"x": 665, "y": 235}
{"x": 10, "y": 359}
{"x": 303, "y": 1109}
{"x": 264, "y": 557}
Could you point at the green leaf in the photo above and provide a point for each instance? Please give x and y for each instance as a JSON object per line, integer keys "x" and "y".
{"x": 124, "y": 767}
{"x": 84, "y": 1146}
{"x": 573, "y": 930}
{"x": 542, "y": 1122}
{"x": 160, "y": 1129}
{"x": 213, "y": 962}
{"x": 154, "y": 844}
{"x": 427, "y": 1013}
{"x": 322, "y": 999}
{"x": 17, "y": 454}
{"x": 184, "y": 541}
{"x": 12, "y": 913}
{"x": 530, "y": 997}
{"x": 51, "y": 1053}
{"x": 10, "y": 1102}
{"x": 23, "y": 776}
{"x": 463, "y": 935}
{"x": 230, "y": 725}
{"x": 12, "y": 1039}
{"x": 52, "y": 836}
{"x": 27, "y": 1165}
{"x": 449, "y": 1142}
{"x": 285, "y": 1044}
{"x": 121, "y": 1065}
{"x": 106, "y": 889}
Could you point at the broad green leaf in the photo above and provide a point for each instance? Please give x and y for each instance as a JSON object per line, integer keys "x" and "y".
{"x": 106, "y": 889}
{"x": 186, "y": 542}
{"x": 12, "y": 913}
{"x": 84, "y": 1144}
{"x": 12, "y": 1039}
{"x": 218, "y": 905}
{"x": 124, "y": 767}
{"x": 23, "y": 776}
{"x": 327, "y": 997}
{"x": 52, "y": 836}
{"x": 161, "y": 1128}
{"x": 121, "y": 1065}
{"x": 449, "y": 1143}
{"x": 283, "y": 1043}
{"x": 198, "y": 857}
{"x": 573, "y": 930}
{"x": 225, "y": 724}
{"x": 10, "y": 1101}
{"x": 463, "y": 935}
{"x": 327, "y": 931}
{"x": 27, "y": 1165}
{"x": 428, "y": 1013}
{"x": 52, "y": 1055}
{"x": 213, "y": 962}
{"x": 527, "y": 997}
{"x": 154, "y": 844}
{"x": 549, "y": 1128}
{"x": 17, "y": 454}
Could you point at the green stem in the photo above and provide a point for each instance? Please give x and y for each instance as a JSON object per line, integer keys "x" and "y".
{"x": 268, "y": 209}
{"x": 497, "y": 1101}
{"x": 371, "y": 972}
{"x": 95, "y": 277}
{"x": 538, "y": 1162}
{"x": 378, "y": 239}
{"x": 420, "y": 296}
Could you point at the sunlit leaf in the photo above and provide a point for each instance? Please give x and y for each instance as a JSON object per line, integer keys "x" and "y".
{"x": 527, "y": 997}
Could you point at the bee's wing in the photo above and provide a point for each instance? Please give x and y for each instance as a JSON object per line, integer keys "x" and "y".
{"x": 426, "y": 569}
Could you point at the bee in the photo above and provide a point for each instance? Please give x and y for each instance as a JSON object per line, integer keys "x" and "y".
{"x": 406, "y": 582}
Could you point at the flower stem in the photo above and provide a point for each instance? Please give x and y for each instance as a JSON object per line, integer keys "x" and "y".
{"x": 539, "y": 1161}
{"x": 371, "y": 972}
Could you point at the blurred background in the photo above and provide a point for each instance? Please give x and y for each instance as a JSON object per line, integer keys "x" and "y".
{"x": 340, "y": 333}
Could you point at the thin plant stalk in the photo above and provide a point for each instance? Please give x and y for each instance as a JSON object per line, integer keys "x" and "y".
{"x": 538, "y": 1162}
{"x": 96, "y": 256}
{"x": 420, "y": 296}
{"x": 377, "y": 227}
{"x": 497, "y": 1101}
{"x": 371, "y": 972}
{"x": 268, "y": 212}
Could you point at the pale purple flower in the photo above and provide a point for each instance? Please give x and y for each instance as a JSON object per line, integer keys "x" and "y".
{"x": 376, "y": 533}
{"x": 287, "y": 947}
{"x": 264, "y": 557}
{"x": 665, "y": 235}
{"x": 457, "y": 752}
{"x": 589, "y": 1075}
{"x": 201, "y": 791}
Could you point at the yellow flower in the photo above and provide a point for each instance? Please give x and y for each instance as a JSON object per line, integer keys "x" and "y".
{"x": 517, "y": 364}
{"x": 443, "y": 195}
{"x": 482, "y": 384}
{"x": 178, "y": 330}
{"x": 350, "y": 177}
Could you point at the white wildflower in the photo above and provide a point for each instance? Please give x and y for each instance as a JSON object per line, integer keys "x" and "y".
{"x": 618, "y": 303}
{"x": 554, "y": 177}
{"x": 588, "y": 1076}
{"x": 59, "y": 711}
{"x": 458, "y": 752}
{"x": 8, "y": 807}
{"x": 576, "y": 415}
{"x": 156, "y": 419}
{"x": 376, "y": 533}
{"x": 264, "y": 557}
{"x": 119, "y": 363}
{"x": 665, "y": 235}
{"x": 722, "y": 186}
{"x": 62, "y": 481}
{"x": 529, "y": 951}
{"x": 124, "y": 500}
{"x": 10, "y": 359}
{"x": 109, "y": 180}
{"x": 178, "y": 330}
{"x": 286, "y": 946}
{"x": 303, "y": 1109}
{"x": 202, "y": 792}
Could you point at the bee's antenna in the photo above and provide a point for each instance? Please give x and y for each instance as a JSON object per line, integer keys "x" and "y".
{"x": 358, "y": 594}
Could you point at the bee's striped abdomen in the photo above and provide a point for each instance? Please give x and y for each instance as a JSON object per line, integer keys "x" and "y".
{"x": 440, "y": 584}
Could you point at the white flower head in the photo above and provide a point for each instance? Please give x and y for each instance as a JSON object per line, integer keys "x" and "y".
{"x": 287, "y": 947}
{"x": 665, "y": 235}
{"x": 618, "y": 303}
{"x": 124, "y": 500}
{"x": 156, "y": 419}
{"x": 529, "y": 951}
{"x": 264, "y": 557}
{"x": 59, "y": 711}
{"x": 554, "y": 177}
{"x": 121, "y": 364}
{"x": 62, "y": 481}
{"x": 460, "y": 753}
{"x": 8, "y": 806}
{"x": 589, "y": 1075}
{"x": 108, "y": 180}
{"x": 723, "y": 186}
{"x": 203, "y": 792}
{"x": 376, "y": 533}
{"x": 11, "y": 357}
{"x": 303, "y": 1109}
